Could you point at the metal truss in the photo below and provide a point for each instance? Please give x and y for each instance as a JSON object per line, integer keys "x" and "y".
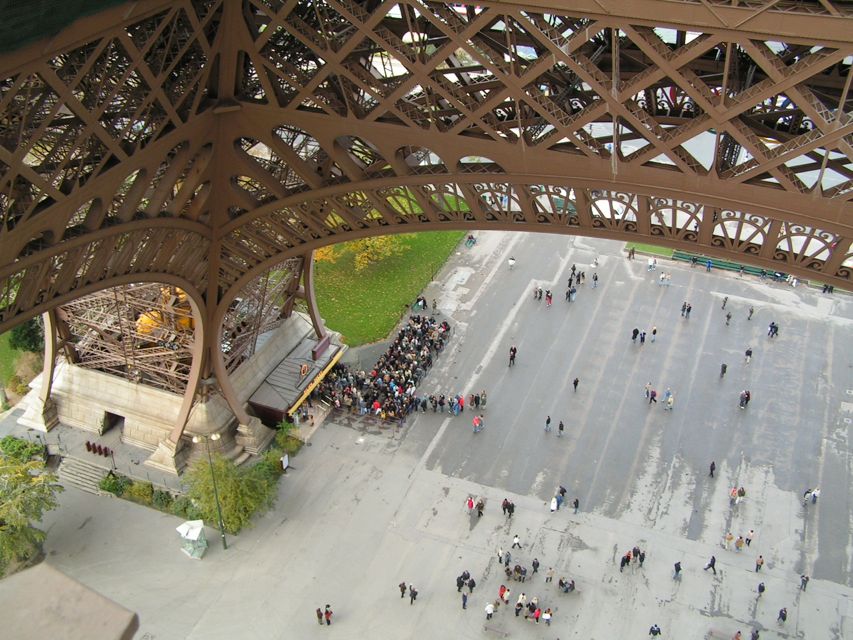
{"x": 200, "y": 143}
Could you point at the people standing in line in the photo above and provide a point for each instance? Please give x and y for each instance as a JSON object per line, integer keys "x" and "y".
{"x": 712, "y": 564}
{"x": 713, "y": 468}
{"x": 759, "y": 562}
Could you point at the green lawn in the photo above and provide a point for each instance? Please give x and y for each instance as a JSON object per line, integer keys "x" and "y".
{"x": 649, "y": 248}
{"x": 364, "y": 307}
{"x": 8, "y": 358}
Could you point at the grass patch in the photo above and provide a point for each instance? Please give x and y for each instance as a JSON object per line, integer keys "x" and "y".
{"x": 8, "y": 359}
{"x": 649, "y": 248}
{"x": 365, "y": 306}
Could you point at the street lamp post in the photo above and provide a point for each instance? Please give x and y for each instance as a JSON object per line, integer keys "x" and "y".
{"x": 207, "y": 439}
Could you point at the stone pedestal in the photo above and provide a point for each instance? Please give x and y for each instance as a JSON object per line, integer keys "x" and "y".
{"x": 254, "y": 436}
{"x": 168, "y": 457}
{"x": 39, "y": 415}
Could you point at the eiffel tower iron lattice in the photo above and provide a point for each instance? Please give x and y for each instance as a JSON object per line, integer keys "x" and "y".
{"x": 200, "y": 143}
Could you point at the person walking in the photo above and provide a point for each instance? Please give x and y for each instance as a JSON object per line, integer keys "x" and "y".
{"x": 547, "y": 424}
{"x": 464, "y": 600}
{"x": 553, "y": 504}
{"x": 546, "y": 616}
{"x": 654, "y": 630}
{"x": 729, "y": 538}
{"x": 725, "y": 300}
{"x": 712, "y": 565}
{"x": 490, "y": 610}
{"x": 549, "y": 574}
{"x": 815, "y": 491}
{"x": 576, "y": 504}
{"x": 402, "y": 587}
{"x": 575, "y": 383}
{"x": 688, "y": 310}
{"x": 634, "y": 334}
{"x": 647, "y": 389}
{"x": 516, "y": 542}
{"x": 751, "y": 311}
{"x": 783, "y": 615}
{"x": 654, "y": 333}
{"x": 319, "y": 616}
{"x": 761, "y": 589}
{"x": 642, "y": 558}
{"x": 481, "y": 504}
{"x": 759, "y": 562}
{"x": 327, "y": 614}
{"x": 653, "y": 396}
{"x": 594, "y": 280}
{"x": 413, "y": 594}
{"x": 560, "y": 428}
{"x": 677, "y": 568}
{"x": 512, "y": 352}
{"x": 683, "y": 308}
{"x": 747, "y": 355}
{"x": 713, "y": 468}
{"x": 535, "y": 565}
{"x": 723, "y": 368}
{"x": 804, "y": 582}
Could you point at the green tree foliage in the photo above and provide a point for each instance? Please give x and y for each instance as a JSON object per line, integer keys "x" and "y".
{"x": 28, "y": 337}
{"x": 26, "y": 492}
{"x": 243, "y": 492}
{"x": 21, "y": 450}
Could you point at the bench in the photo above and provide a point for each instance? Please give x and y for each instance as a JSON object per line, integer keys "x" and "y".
{"x": 726, "y": 265}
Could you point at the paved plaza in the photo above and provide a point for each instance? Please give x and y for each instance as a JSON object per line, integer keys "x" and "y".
{"x": 364, "y": 509}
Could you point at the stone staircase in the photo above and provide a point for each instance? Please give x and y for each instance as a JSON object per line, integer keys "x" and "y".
{"x": 82, "y": 475}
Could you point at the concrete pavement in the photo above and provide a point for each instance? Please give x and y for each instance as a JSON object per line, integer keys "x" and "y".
{"x": 361, "y": 512}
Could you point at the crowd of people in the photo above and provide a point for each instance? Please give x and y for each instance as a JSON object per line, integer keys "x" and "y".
{"x": 388, "y": 391}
